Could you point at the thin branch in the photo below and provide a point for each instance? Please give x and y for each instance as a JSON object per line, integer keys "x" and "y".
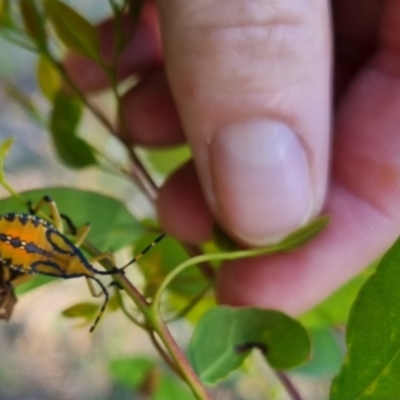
{"x": 286, "y": 382}
{"x": 163, "y": 353}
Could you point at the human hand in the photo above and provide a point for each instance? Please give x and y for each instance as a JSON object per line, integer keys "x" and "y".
{"x": 249, "y": 84}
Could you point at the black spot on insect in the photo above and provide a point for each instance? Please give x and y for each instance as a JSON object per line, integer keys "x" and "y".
{"x": 33, "y": 249}
{"x": 15, "y": 242}
{"x": 23, "y": 218}
{"x": 3, "y": 237}
{"x": 9, "y": 217}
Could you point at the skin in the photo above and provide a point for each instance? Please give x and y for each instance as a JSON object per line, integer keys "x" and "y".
{"x": 227, "y": 64}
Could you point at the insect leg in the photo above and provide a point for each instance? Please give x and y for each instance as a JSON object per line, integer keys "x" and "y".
{"x": 81, "y": 234}
{"x": 103, "y": 307}
{"x": 105, "y": 257}
{"x": 54, "y": 213}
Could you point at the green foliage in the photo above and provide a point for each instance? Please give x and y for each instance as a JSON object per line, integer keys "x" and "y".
{"x": 33, "y": 20}
{"x": 77, "y": 34}
{"x": 224, "y": 337}
{"x": 83, "y": 310}
{"x": 167, "y": 160}
{"x": 156, "y": 266}
{"x": 372, "y": 366}
{"x": 64, "y": 120}
{"x": 49, "y": 79}
{"x": 131, "y": 372}
{"x": 169, "y": 388}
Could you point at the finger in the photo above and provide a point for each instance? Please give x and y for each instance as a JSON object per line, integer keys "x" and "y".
{"x": 181, "y": 207}
{"x": 363, "y": 201}
{"x": 150, "y": 114}
{"x": 141, "y": 53}
{"x": 251, "y": 84}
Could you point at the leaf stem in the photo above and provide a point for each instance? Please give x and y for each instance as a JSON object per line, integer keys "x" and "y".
{"x": 287, "y": 383}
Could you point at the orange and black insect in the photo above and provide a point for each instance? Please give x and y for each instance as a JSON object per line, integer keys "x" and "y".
{"x": 32, "y": 245}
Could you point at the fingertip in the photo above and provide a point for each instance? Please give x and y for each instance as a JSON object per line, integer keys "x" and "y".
{"x": 150, "y": 114}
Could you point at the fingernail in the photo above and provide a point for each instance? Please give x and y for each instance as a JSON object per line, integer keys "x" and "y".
{"x": 261, "y": 180}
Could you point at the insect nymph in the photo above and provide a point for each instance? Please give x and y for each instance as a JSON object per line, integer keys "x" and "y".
{"x": 32, "y": 245}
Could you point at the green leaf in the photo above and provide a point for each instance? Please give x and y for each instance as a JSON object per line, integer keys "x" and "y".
{"x": 335, "y": 309}
{"x": 84, "y": 310}
{"x": 77, "y": 34}
{"x": 34, "y": 283}
{"x": 163, "y": 258}
{"x": 131, "y": 372}
{"x": 167, "y": 160}
{"x": 304, "y": 234}
{"x": 64, "y": 119}
{"x": 48, "y": 78}
{"x": 224, "y": 336}
{"x": 33, "y": 20}
{"x": 5, "y": 16}
{"x": 326, "y": 355}
{"x": 372, "y": 365}
{"x": 171, "y": 389}
{"x": 4, "y": 149}
{"x": 112, "y": 225}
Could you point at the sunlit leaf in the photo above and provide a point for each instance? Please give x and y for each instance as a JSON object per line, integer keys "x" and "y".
{"x": 5, "y": 16}
{"x": 64, "y": 120}
{"x": 48, "y": 78}
{"x": 83, "y": 310}
{"x": 167, "y": 160}
{"x": 224, "y": 337}
{"x": 372, "y": 365}
{"x": 77, "y": 34}
{"x": 33, "y": 20}
{"x": 131, "y": 372}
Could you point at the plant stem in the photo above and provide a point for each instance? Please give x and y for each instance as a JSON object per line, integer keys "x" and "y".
{"x": 180, "y": 360}
{"x": 163, "y": 354}
{"x": 286, "y": 382}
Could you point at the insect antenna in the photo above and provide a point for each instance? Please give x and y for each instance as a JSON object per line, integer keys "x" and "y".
{"x": 144, "y": 251}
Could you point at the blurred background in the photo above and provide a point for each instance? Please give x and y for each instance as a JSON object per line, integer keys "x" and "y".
{"x": 44, "y": 356}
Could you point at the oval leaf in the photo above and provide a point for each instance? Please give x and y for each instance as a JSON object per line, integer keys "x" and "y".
{"x": 33, "y": 20}
{"x": 84, "y": 310}
{"x": 48, "y": 78}
{"x": 372, "y": 366}
{"x": 64, "y": 119}
{"x": 224, "y": 336}
{"x": 77, "y": 34}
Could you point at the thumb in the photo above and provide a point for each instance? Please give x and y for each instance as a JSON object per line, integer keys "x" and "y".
{"x": 251, "y": 82}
